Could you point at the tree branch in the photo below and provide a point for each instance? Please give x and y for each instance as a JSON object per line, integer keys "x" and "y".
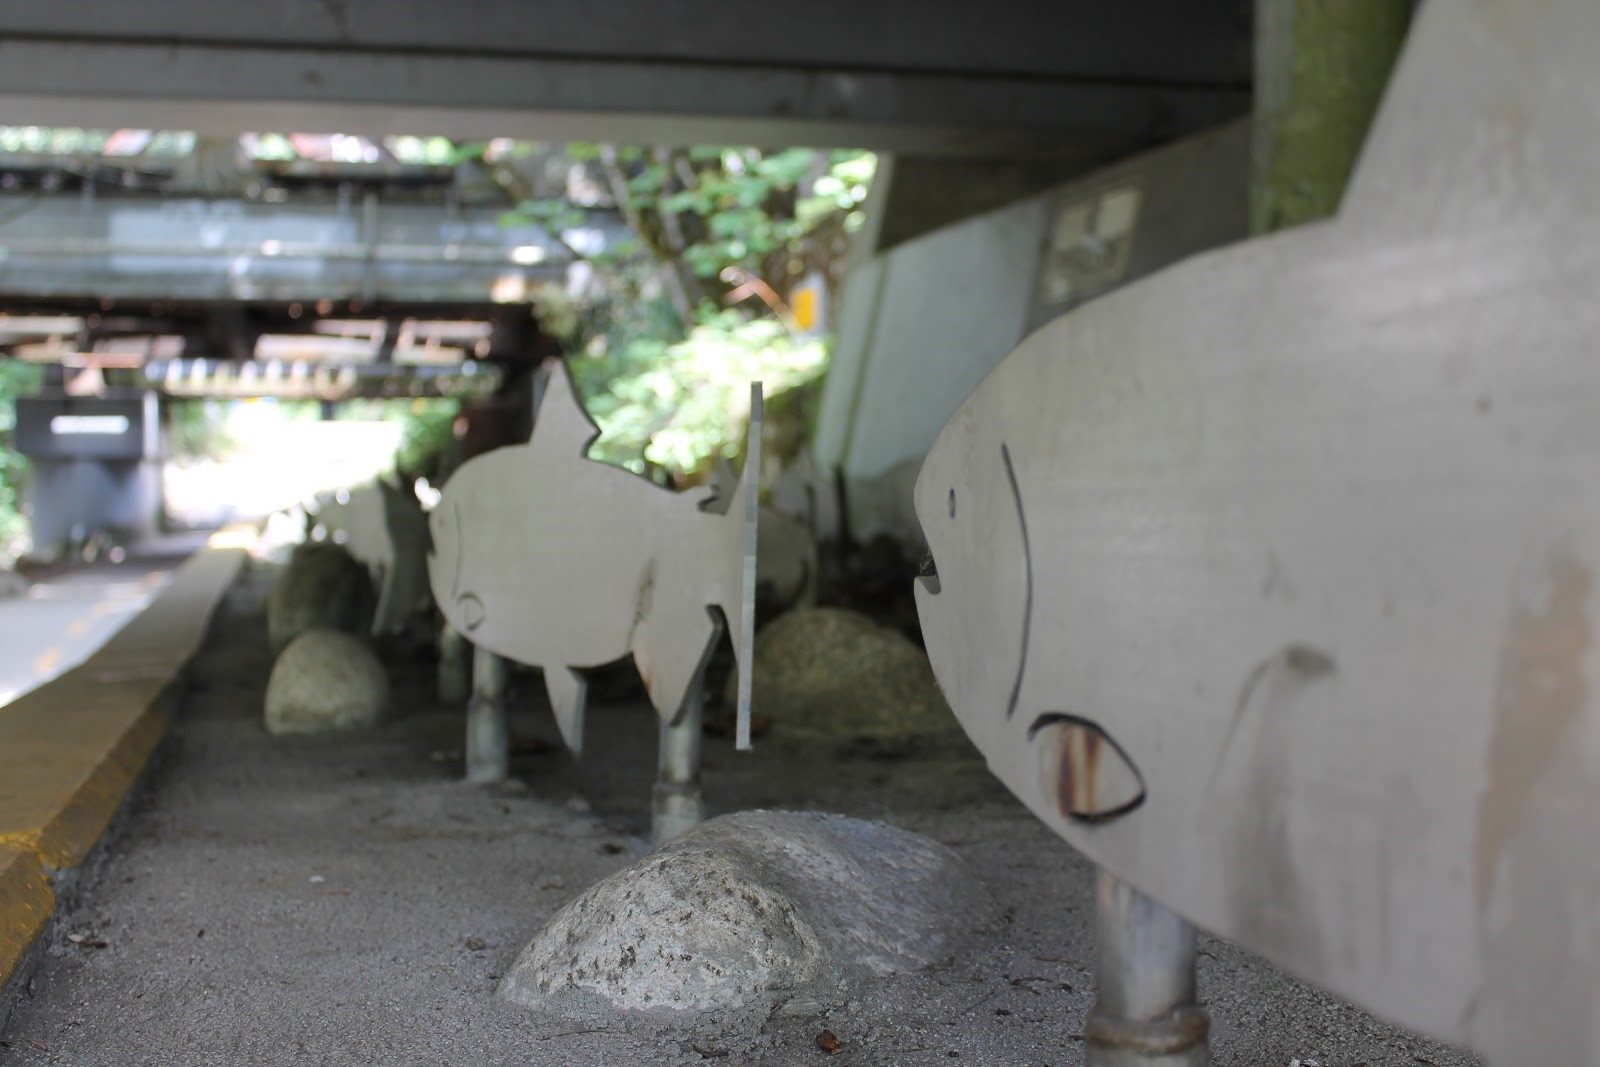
{"x": 631, "y": 214}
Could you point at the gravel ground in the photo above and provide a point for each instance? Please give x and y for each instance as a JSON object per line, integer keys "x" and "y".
{"x": 349, "y": 901}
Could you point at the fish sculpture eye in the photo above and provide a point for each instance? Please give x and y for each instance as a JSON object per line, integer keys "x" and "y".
{"x": 1083, "y": 772}
{"x": 952, "y": 503}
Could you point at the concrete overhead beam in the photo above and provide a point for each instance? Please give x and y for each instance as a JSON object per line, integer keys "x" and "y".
{"x": 1002, "y": 78}
{"x": 1132, "y": 40}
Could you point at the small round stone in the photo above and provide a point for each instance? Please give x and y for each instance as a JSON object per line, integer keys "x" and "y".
{"x": 326, "y": 680}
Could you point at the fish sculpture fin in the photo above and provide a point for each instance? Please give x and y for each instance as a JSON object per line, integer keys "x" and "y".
{"x": 382, "y": 622}
{"x": 567, "y": 690}
{"x": 561, "y": 424}
{"x": 671, "y": 655}
{"x": 672, "y": 640}
{"x": 724, "y": 484}
{"x": 1487, "y": 116}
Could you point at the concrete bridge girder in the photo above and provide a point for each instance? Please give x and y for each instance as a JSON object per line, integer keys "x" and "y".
{"x": 1005, "y": 77}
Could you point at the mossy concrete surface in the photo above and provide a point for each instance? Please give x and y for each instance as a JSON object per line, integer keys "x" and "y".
{"x": 1321, "y": 69}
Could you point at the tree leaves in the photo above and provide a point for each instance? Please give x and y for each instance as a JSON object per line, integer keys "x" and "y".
{"x": 16, "y": 379}
{"x": 664, "y": 368}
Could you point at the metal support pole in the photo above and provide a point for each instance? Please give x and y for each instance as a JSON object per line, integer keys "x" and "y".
{"x": 455, "y": 681}
{"x": 675, "y": 805}
{"x": 488, "y": 744}
{"x": 1146, "y": 1013}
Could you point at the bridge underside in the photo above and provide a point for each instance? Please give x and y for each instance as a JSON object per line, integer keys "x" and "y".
{"x": 979, "y": 103}
{"x": 1006, "y": 77}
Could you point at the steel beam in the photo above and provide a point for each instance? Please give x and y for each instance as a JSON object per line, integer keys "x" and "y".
{"x": 208, "y": 249}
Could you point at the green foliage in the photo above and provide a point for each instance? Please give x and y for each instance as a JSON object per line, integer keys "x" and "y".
{"x": 768, "y": 214}
{"x": 197, "y": 429}
{"x": 674, "y": 326}
{"x": 428, "y": 439}
{"x": 682, "y": 404}
{"x": 16, "y": 379}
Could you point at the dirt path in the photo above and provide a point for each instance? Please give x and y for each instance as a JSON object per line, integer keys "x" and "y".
{"x": 349, "y": 901}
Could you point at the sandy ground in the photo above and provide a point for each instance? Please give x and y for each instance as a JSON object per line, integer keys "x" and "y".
{"x": 350, "y": 901}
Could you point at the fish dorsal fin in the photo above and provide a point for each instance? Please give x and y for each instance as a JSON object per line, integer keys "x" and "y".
{"x": 1492, "y": 117}
{"x": 723, "y": 483}
{"x": 561, "y": 423}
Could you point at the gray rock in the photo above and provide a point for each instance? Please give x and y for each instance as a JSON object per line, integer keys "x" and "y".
{"x": 324, "y": 681}
{"x": 752, "y": 914}
{"x": 322, "y": 587}
{"x": 829, "y": 673}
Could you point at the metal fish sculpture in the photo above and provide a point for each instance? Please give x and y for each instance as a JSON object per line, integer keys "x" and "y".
{"x": 1270, "y": 582}
{"x": 383, "y": 526}
{"x": 561, "y": 562}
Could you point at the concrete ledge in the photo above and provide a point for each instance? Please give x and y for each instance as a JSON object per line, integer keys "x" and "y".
{"x": 71, "y": 750}
{"x": 67, "y": 758}
{"x": 26, "y": 904}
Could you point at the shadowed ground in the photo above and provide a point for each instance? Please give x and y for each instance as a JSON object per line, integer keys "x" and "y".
{"x": 349, "y": 901}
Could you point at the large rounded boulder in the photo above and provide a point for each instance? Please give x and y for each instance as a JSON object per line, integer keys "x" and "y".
{"x": 829, "y": 673}
{"x": 325, "y": 681}
{"x": 322, "y": 587}
{"x": 750, "y": 915}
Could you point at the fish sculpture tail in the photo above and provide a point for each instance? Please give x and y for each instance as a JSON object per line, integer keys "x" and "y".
{"x": 701, "y": 584}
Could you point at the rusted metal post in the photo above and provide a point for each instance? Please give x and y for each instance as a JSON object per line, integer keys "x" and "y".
{"x": 1146, "y": 1013}
{"x": 488, "y": 743}
{"x": 454, "y": 670}
{"x": 675, "y": 805}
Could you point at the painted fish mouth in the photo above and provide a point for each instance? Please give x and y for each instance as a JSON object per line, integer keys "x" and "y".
{"x": 928, "y": 575}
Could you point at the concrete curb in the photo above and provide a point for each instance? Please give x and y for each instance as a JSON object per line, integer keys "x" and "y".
{"x": 71, "y": 750}
{"x": 26, "y": 904}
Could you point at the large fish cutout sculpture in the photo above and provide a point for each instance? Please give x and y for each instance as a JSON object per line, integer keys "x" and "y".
{"x": 1270, "y": 582}
{"x": 561, "y": 562}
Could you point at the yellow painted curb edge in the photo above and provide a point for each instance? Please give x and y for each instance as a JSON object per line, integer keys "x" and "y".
{"x": 70, "y": 835}
{"x": 26, "y": 904}
{"x": 72, "y": 750}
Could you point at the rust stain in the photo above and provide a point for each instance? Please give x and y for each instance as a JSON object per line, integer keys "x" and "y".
{"x": 1075, "y": 775}
{"x": 1308, "y": 661}
{"x": 1541, "y": 690}
{"x": 644, "y": 598}
{"x": 1078, "y": 787}
{"x": 1308, "y": 664}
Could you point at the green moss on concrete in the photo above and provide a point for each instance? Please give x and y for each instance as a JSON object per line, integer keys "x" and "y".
{"x": 1321, "y": 70}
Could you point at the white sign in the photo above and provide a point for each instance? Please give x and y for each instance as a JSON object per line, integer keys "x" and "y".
{"x": 115, "y": 425}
